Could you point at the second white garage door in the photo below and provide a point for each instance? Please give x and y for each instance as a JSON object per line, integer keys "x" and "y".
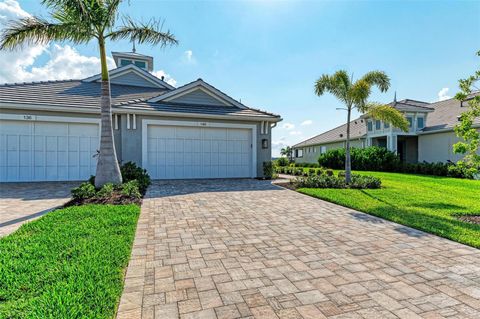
{"x": 182, "y": 152}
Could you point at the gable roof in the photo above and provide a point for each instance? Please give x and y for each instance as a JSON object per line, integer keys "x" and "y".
{"x": 132, "y": 68}
{"x": 358, "y": 129}
{"x": 408, "y": 105}
{"x": 199, "y": 84}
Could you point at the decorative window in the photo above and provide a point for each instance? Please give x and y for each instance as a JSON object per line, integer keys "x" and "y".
{"x": 299, "y": 153}
{"x": 420, "y": 123}
{"x": 370, "y": 126}
{"x": 386, "y": 125}
{"x": 124, "y": 62}
{"x": 141, "y": 64}
{"x": 323, "y": 149}
{"x": 378, "y": 125}
{"x": 410, "y": 121}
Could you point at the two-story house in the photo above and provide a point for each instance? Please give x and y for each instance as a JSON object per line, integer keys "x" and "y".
{"x": 430, "y": 137}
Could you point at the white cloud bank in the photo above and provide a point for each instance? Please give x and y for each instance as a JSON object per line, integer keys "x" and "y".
{"x": 306, "y": 123}
{"x": 288, "y": 126}
{"x": 64, "y": 62}
{"x": 442, "y": 94}
{"x": 167, "y": 79}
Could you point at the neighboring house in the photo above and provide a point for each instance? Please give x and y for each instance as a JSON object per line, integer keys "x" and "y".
{"x": 49, "y": 130}
{"x": 430, "y": 137}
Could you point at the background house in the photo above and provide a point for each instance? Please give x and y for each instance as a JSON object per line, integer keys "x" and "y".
{"x": 49, "y": 131}
{"x": 430, "y": 137}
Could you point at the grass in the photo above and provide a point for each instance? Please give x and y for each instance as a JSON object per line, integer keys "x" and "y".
{"x": 428, "y": 203}
{"x": 68, "y": 264}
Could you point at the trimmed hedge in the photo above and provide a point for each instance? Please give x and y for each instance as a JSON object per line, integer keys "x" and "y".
{"x": 380, "y": 159}
{"x": 332, "y": 181}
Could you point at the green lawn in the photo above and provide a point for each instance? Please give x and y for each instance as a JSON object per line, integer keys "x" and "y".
{"x": 427, "y": 203}
{"x": 68, "y": 264}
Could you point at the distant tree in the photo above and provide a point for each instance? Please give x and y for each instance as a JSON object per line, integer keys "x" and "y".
{"x": 81, "y": 21}
{"x": 287, "y": 151}
{"x": 466, "y": 129}
{"x": 354, "y": 95}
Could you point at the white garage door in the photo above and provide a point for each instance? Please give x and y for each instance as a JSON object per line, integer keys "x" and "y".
{"x": 47, "y": 151}
{"x": 179, "y": 152}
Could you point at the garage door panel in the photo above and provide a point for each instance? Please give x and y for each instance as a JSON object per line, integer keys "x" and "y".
{"x": 198, "y": 152}
{"x": 47, "y": 151}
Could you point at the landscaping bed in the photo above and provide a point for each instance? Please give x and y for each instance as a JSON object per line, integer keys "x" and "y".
{"x": 438, "y": 205}
{"x": 68, "y": 264}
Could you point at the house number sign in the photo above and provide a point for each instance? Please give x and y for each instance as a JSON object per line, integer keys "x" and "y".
{"x": 29, "y": 117}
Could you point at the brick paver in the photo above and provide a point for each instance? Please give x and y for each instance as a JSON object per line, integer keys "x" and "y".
{"x": 248, "y": 249}
{"x": 24, "y": 202}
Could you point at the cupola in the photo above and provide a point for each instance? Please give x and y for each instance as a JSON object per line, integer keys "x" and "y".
{"x": 125, "y": 58}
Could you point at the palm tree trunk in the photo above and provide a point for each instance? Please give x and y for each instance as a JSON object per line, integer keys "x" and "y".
{"x": 348, "y": 165}
{"x": 108, "y": 170}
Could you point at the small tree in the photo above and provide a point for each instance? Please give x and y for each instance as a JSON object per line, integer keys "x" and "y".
{"x": 466, "y": 129}
{"x": 287, "y": 151}
{"x": 354, "y": 95}
{"x": 81, "y": 21}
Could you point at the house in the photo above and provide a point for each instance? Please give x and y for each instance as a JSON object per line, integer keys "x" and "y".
{"x": 430, "y": 137}
{"x": 49, "y": 130}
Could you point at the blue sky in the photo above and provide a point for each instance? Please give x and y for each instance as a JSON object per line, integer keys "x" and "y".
{"x": 269, "y": 53}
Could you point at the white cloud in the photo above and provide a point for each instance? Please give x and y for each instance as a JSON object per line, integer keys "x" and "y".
{"x": 442, "y": 94}
{"x": 167, "y": 76}
{"x": 295, "y": 133}
{"x": 306, "y": 122}
{"x": 288, "y": 126}
{"x": 64, "y": 61}
{"x": 188, "y": 57}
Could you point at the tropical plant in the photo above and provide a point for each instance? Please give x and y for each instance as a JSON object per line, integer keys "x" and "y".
{"x": 287, "y": 151}
{"x": 466, "y": 129}
{"x": 354, "y": 95}
{"x": 81, "y": 21}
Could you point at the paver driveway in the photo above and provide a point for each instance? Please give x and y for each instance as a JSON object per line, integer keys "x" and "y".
{"x": 23, "y": 202}
{"x": 246, "y": 248}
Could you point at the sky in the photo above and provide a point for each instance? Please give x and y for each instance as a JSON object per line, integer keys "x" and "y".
{"x": 269, "y": 53}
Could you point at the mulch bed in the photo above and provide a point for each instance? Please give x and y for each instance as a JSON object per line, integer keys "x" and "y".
{"x": 473, "y": 219}
{"x": 115, "y": 199}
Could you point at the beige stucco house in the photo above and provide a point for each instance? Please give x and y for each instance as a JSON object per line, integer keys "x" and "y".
{"x": 430, "y": 137}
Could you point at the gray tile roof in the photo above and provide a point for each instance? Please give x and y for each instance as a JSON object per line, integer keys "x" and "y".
{"x": 358, "y": 129}
{"x": 71, "y": 93}
{"x": 446, "y": 113}
{"x": 411, "y": 105}
{"x": 77, "y": 93}
{"x": 196, "y": 108}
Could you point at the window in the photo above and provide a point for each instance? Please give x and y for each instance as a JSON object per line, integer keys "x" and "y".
{"x": 378, "y": 125}
{"x": 386, "y": 125}
{"x": 124, "y": 62}
{"x": 410, "y": 121}
{"x": 323, "y": 149}
{"x": 420, "y": 123}
{"x": 370, "y": 126}
{"x": 298, "y": 153}
{"x": 141, "y": 64}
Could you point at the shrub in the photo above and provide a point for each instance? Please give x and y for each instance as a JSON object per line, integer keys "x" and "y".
{"x": 282, "y": 161}
{"x": 106, "y": 191}
{"x": 332, "y": 181}
{"x": 130, "y": 171}
{"x": 84, "y": 191}
{"x": 131, "y": 189}
{"x": 268, "y": 170}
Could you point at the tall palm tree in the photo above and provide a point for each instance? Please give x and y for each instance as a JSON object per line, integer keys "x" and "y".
{"x": 80, "y": 21}
{"x": 287, "y": 151}
{"x": 355, "y": 96}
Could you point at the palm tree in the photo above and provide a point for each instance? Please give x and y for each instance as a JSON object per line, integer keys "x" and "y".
{"x": 80, "y": 21}
{"x": 355, "y": 96}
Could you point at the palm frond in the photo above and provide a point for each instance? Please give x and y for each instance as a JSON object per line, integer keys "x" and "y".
{"x": 377, "y": 78}
{"x": 143, "y": 32}
{"x": 34, "y": 31}
{"x": 337, "y": 84}
{"x": 387, "y": 114}
{"x": 359, "y": 93}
